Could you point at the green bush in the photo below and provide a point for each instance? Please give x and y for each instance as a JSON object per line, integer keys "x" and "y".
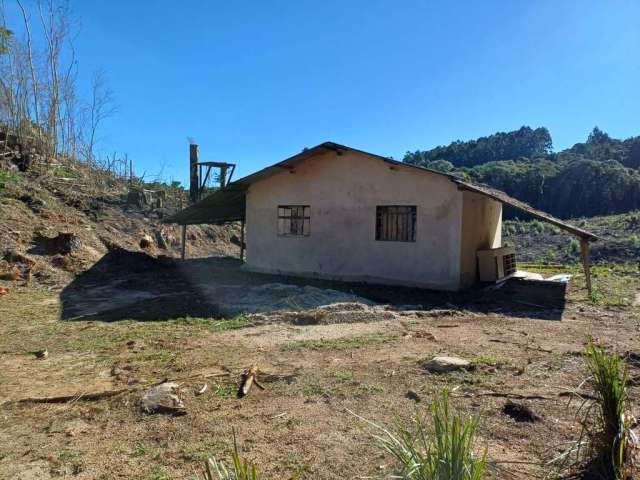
{"x": 442, "y": 451}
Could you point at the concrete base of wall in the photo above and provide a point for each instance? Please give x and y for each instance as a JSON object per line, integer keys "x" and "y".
{"x": 353, "y": 278}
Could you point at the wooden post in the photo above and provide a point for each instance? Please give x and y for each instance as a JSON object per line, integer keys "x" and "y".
{"x": 194, "y": 181}
{"x": 584, "y": 251}
{"x": 184, "y": 242}
{"x": 242, "y": 239}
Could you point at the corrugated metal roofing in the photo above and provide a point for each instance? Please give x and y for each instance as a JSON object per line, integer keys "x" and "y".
{"x": 228, "y": 204}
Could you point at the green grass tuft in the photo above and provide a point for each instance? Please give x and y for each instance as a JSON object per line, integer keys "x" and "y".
{"x": 609, "y": 432}
{"x": 443, "y": 450}
{"x": 240, "y": 469}
{"x": 606, "y": 444}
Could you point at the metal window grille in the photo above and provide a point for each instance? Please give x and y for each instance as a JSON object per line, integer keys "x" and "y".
{"x": 294, "y": 220}
{"x": 396, "y": 223}
{"x": 509, "y": 264}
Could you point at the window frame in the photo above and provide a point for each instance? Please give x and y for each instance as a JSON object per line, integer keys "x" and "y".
{"x": 382, "y": 232}
{"x": 302, "y": 220}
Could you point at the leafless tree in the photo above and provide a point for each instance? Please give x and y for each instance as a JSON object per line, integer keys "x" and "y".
{"x": 34, "y": 80}
{"x": 38, "y": 83}
{"x": 101, "y": 107}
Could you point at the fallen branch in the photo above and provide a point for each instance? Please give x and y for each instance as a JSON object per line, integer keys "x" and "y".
{"x": 517, "y": 396}
{"x": 74, "y": 398}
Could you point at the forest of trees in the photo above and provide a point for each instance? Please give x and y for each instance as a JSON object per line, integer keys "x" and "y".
{"x": 598, "y": 177}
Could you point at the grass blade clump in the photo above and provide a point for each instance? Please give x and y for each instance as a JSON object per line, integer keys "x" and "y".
{"x": 443, "y": 450}
{"x": 607, "y": 421}
{"x": 240, "y": 469}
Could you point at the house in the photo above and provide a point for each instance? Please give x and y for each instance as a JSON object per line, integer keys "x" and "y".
{"x": 336, "y": 212}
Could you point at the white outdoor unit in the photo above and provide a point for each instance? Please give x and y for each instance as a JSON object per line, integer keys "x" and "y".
{"x": 496, "y": 263}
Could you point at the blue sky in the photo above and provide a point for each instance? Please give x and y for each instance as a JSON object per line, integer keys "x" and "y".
{"x": 254, "y": 82}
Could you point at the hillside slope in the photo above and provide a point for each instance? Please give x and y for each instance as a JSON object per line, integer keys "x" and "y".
{"x": 536, "y": 241}
{"x": 91, "y": 210}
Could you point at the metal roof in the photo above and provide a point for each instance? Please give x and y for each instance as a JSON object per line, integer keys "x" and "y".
{"x": 228, "y": 204}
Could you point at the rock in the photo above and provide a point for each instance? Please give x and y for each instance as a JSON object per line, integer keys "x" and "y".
{"x": 64, "y": 244}
{"x": 235, "y": 240}
{"x": 520, "y": 412}
{"x": 41, "y": 354}
{"x": 411, "y": 395}
{"x": 161, "y": 239}
{"x": 447, "y": 364}
{"x": 424, "y": 334}
{"x": 163, "y": 398}
{"x": 145, "y": 242}
{"x": 35, "y": 204}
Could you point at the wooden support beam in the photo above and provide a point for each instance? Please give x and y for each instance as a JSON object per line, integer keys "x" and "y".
{"x": 242, "y": 239}
{"x": 586, "y": 262}
{"x": 194, "y": 180}
{"x": 184, "y": 242}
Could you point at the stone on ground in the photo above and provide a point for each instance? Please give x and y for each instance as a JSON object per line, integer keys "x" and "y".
{"x": 446, "y": 364}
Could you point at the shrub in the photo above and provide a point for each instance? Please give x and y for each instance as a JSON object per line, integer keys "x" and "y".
{"x": 443, "y": 451}
{"x": 240, "y": 470}
{"x": 609, "y": 432}
{"x": 607, "y": 443}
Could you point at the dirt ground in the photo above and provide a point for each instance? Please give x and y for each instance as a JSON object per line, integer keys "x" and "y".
{"x": 364, "y": 354}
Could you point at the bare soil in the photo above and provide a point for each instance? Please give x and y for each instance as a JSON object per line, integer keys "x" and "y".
{"x": 92, "y": 208}
{"x": 363, "y": 354}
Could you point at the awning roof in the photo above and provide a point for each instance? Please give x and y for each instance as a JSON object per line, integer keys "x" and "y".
{"x": 222, "y": 206}
{"x": 505, "y": 199}
{"x": 228, "y": 204}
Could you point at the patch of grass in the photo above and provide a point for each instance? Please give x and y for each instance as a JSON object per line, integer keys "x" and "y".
{"x": 344, "y": 343}
{"x": 240, "y": 468}
{"x": 487, "y": 359}
{"x": 190, "y": 454}
{"x": 612, "y": 284}
{"x": 63, "y": 172}
{"x": 72, "y": 458}
{"x": 239, "y": 321}
{"x": 159, "y": 474}
{"x": 8, "y": 177}
{"x": 67, "y": 456}
{"x": 439, "y": 449}
{"x": 293, "y": 422}
{"x": 343, "y": 376}
{"x": 139, "y": 450}
{"x": 224, "y": 390}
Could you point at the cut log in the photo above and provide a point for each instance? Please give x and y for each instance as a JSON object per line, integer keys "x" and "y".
{"x": 247, "y": 381}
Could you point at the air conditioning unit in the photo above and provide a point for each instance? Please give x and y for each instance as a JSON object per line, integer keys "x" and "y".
{"x": 496, "y": 263}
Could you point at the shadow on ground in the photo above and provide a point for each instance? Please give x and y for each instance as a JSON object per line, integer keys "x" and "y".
{"x": 134, "y": 285}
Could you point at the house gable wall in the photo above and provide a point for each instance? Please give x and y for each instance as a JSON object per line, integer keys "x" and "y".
{"x": 481, "y": 229}
{"x": 343, "y": 192}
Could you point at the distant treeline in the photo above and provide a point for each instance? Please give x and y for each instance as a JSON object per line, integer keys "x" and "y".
{"x": 598, "y": 177}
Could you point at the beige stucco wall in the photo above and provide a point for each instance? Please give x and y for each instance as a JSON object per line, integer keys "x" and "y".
{"x": 481, "y": 229}
{"x": 343, "y": 192}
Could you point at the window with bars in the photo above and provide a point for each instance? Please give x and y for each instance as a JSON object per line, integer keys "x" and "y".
{"x": 395, "y": 223}
{"x": 294, "y": 220}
